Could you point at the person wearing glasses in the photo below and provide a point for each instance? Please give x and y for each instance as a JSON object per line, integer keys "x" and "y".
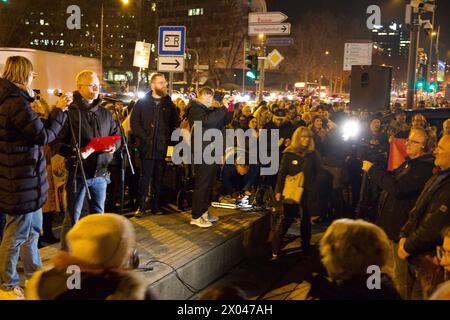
{"x": 23, "y": 175}
{"x": 422, "y": 233}
{"x": 443, "y": 257}
{"x": 88, "y": 119}
{"x": 400, "y": 190}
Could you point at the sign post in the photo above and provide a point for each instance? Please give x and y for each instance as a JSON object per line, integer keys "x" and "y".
{"x": 171, "y": 51}
{"x": 141, "y": 58}
{"x": 358, "y": 54}
{"x": 268, "y": 23}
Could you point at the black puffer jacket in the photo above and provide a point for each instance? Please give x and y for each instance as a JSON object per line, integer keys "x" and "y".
{"x": 96, "y": 121}
{"x": 428, "y": 217}
{"x": 23, "y": 178}
{"x": 152, "y": 125}
{"x": 400, "y": 192}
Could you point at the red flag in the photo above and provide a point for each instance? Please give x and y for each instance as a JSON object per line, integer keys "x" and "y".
{"x": 397, "y": 153}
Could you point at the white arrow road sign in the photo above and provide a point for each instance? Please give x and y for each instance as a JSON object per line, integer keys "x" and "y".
{"x": 266, "y": 17}
{"x": 170, "y": 64}
{"x": 269, "y": 29}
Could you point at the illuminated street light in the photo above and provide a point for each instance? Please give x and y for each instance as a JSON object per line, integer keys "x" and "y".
{"x": 327, "y": 52}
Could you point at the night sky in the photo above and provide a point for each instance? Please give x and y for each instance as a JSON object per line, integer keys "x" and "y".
{"x": 390, "y": 10}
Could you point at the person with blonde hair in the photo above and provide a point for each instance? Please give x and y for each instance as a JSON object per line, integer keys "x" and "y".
{"x": 23, "y": 176}
{"x": 299, "y": 158}
{"x": 354, "y": 253}
{"x": 446, "y": 128}
{"x": 102, "y": 247}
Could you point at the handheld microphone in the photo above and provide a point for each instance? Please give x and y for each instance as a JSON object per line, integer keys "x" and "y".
{"x": 57, "y": 92}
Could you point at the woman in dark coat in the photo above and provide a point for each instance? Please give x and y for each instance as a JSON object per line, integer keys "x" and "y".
{"x": 400, "y": 191}
{"x": 300, "y": 156}
{"x": 23, "y": 177}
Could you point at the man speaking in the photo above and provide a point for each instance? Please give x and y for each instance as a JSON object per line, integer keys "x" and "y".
{"x": 87, "y": 120}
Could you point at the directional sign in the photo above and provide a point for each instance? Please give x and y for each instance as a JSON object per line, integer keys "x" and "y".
{"x": 279, "y": 42}
{"x": 266, "y": 17}
{"x": 141, "y": 54}
{"x": 357, "y": 54}
{"x": 172, "y": 41}
{"x": 170, "y": 64}
{"x": 275, "y": 58}
{"x": 282, "y": 29}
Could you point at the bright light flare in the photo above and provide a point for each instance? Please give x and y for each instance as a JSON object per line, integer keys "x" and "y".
{"x": 350, "y": 129}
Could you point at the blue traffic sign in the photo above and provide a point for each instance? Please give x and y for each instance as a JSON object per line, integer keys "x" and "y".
{"x": 279, "y": 42}
{"x": 172, "y": 41}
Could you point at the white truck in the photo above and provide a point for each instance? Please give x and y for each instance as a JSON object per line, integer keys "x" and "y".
{"x": 54, "y": 71}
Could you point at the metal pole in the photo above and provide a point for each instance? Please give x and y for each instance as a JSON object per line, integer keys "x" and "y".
{"x": 197, "y": 59}
{"x": 412, "y": 59}
{"x": 170, "y": 83}
{"x": 430, "y": 60}
{"x": 138, "y": 81}
{"x": 262, "y": 62}
{"x": 101, "y": 38}
{"x": 243, "y": 64}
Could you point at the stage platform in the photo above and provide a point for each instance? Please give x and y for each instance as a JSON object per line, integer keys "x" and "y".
{"x": 185, "y": 258}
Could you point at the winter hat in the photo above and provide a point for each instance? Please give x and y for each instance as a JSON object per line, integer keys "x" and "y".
{"x": 102, "y": 240}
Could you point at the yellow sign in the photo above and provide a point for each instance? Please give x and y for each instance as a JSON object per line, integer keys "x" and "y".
{"x": 275, "y": 58}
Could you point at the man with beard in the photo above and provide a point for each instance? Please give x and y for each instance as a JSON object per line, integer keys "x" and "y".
{"x": 153, "y": 120}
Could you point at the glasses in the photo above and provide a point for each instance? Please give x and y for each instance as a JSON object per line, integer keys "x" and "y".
{"x": 92, "y": 86}
{"x": 413, "y": 141}
{"x": 441, "y": 253}
{"x": 306, "y": 137}
{"x": 33, "y": 74}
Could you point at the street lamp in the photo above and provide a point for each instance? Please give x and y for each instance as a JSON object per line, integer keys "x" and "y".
{"x": 124, "y": 2}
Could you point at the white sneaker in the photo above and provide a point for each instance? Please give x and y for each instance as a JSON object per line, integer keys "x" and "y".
{"x": 209, "y": 217}
{"x": 201, "y": 222}
{"x": 15, "y": 294}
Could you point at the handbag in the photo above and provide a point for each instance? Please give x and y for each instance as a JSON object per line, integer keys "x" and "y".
{"x": 293, "y": 188}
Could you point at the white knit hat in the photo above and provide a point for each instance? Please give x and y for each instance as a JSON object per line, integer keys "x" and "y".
{"x": 103, "y": 240}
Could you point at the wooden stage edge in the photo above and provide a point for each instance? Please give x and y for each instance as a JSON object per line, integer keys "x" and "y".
{"x": 184, "y": 258}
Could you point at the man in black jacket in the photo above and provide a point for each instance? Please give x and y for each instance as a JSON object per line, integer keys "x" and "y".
{"x": 88, "y": 120}
{"x": 153, "y": 120}
{"x": 399, "y": 193}
{"x": 422, "y": 233}
{"x": 201, "y": 110}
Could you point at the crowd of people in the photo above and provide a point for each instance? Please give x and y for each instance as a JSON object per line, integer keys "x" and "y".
{"x": 326, "y": 175}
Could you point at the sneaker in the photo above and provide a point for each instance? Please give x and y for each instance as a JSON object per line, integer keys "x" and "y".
{"x": 140, "y": 213}
{"x": 14, "y": 294}
{"x": 201, "y": 222}
{"x": 157, "y": 211}
{"x": 209, "y": 217}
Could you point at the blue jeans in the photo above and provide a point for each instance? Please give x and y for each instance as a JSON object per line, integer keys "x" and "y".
{"x": 2, "y": 225}
{"x": 20, "y": 237}
{"x": 75, "y": 199}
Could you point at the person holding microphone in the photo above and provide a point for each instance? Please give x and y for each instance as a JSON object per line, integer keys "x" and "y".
{"x": 23, "y": 176}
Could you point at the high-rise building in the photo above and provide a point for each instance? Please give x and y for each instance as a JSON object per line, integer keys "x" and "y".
{"x": 392, "y": 39}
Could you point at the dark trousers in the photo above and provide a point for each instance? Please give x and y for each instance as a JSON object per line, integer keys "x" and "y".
{"x": 2, "y": 225}
{"x": 290, "y": 211}
{"x": 205, "y": 176}
{"x": 152, "y": 172}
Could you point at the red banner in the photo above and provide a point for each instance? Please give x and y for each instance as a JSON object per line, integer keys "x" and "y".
{"x": 397, "y": 153}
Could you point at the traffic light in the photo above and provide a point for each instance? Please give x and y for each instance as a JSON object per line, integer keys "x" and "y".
{"x": 432, "y": 87}
{"x": 251, "y": 62}
{"x": 420, "y": 84}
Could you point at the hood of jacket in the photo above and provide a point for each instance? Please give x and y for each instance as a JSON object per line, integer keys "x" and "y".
{"x": 9, "y": 89}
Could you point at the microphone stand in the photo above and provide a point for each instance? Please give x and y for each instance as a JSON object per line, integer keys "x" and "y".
{"x": 124, "y": 153}
{"x": 79, "y": 159}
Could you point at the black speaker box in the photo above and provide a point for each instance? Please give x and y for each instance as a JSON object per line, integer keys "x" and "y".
{"x": 370, "y": 88}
